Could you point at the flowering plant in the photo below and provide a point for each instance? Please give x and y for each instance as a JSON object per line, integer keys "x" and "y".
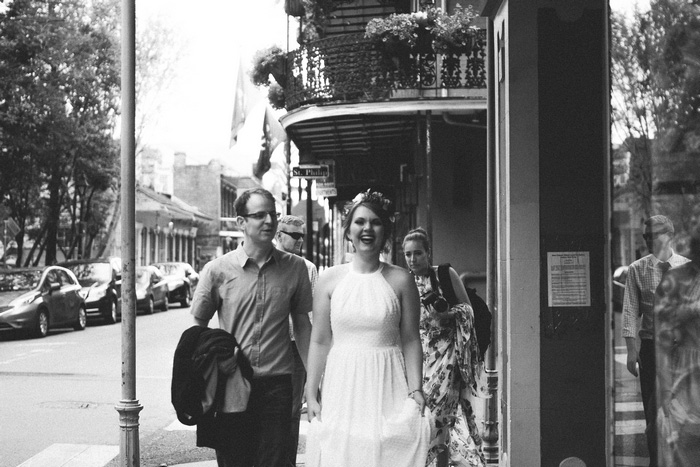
{"x": 454, "y": 33}
{"x": 266, "y": 62}
{"x": 398, "y": 28}
{"x": 451, "y": 33}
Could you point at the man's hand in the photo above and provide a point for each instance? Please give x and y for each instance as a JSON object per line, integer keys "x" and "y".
{"x": 632, "y": 362}
{"x": 313, "y": 409}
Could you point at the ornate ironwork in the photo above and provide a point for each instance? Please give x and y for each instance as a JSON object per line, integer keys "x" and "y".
{"x": 350, "y": 68}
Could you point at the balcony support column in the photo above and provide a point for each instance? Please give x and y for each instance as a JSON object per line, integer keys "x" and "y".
{"x": 490, "y": 434}
{"x": 428, "y": 174}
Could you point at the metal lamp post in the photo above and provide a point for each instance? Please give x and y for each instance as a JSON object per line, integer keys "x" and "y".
{"x": 128, "y": 407}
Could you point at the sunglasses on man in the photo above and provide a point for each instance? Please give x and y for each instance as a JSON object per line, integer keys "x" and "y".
{"x": 653, "y": 235}
{"x": 260, "y": 215}
{"x": 294, "y": 235}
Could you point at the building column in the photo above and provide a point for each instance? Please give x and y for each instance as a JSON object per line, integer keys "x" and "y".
{"x": 552, "y": 150}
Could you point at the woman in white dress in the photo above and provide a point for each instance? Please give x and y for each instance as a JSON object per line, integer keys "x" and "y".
{"x": 366, "y": 338}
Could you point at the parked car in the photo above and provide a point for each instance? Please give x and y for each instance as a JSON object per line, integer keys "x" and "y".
{"x": 151, "y": 290}
{"x": 39, "y": 299}
{"x": 619, "y": 279}
{"x": 182, "y": 281}
{"x": 101, "y": 281}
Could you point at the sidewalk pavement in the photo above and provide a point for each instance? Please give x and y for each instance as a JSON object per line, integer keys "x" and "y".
{"x": 300, "y": 463}
{"x": 197, "y": 464}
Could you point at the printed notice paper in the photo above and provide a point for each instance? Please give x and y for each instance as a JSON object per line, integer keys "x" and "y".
{"x": 569, "y": 274}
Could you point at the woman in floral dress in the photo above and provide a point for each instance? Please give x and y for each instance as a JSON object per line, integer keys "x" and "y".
{"x": 677, "y": 328}
{"x": 451, "y": 367}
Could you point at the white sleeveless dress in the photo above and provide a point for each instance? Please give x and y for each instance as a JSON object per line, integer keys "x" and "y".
{"x": 368, "y": 419}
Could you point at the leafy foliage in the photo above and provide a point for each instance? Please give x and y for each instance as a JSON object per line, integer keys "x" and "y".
{"x": 451, "y": 33}
{"x": 59, "y": 105}
{"x": 276, "y": 96}
{"x": 655, "y": 74}
{"x": 266, "y": 62}
{"x": 58, "y": 102}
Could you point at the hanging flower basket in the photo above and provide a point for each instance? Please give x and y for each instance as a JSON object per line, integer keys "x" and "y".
{"x": 266, "y": 62}
{"x": 294, "y": 7}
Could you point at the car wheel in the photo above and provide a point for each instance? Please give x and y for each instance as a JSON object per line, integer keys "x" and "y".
{"x": 150, "y": 307}
{"x": 81, "y": 321}
{"x": 110, "y": 314}
{"x": 187, "y": 301}
{"x": 166, "y": 303}
{"x": 41, "y": 328}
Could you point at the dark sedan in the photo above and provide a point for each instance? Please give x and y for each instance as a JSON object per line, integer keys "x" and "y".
{"x": 182, "y": 280}
{"x": 151, "y": 290}
{"x": 100, "y": 279}
{"x": 39, "y": 299}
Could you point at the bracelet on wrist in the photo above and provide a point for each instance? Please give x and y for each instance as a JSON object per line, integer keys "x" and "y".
{"x": 415, "y": 391}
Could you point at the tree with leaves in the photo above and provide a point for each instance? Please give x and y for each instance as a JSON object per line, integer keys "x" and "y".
{"x": 655, "y": 72}
{"x": 59, "y": 103}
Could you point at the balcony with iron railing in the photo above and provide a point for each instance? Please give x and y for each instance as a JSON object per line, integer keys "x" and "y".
{"x": 352, "y": 69}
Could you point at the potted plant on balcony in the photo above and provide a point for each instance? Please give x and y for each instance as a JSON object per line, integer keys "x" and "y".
{"x": 455, "y": 33}
{"x": 394, "y": 34}
{"x": 269, "y": 61}
{"x": 276, "y": 96}
{"x": 427, "y": 31}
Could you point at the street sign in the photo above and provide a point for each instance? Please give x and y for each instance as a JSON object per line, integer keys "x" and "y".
{"x": 310, "y": 171}
{"x": 326, "y": 186}
{"x": 327, "y": 192}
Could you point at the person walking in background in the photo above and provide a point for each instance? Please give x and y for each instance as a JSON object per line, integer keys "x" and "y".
{"x": 366, "y": 336}
{"x": 643, "y": 277}
{"x": 255, "y": 289}
{"x": 289, "y": 238}
{"x": 451, "y": 361}
{"x": 677, "y": 335}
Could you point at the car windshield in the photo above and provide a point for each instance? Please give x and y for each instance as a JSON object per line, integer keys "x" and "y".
{"x": 17, "y": 281}
{"x": 89, "y": 273}
{"x": 171, "y": 269}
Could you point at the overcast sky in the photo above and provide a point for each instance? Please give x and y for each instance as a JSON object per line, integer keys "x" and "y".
{"x": 196, "y": 113}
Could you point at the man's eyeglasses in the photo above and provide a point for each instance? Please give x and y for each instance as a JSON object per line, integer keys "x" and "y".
{"x": 652, "y": 235}
{"x": 294, "y": 235}
{"x": 260, "y": 215}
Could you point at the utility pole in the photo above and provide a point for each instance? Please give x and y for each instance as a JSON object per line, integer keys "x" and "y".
{"x": 128, "y": 407}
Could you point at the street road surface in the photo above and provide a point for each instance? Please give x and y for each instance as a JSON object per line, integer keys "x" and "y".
{"x": 62, "y": 390}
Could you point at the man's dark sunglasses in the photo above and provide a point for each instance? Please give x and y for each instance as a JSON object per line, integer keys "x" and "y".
{"x": 649, "y": 236}
{"x": 260, "y": 215}
{"x": 294, "y": 235}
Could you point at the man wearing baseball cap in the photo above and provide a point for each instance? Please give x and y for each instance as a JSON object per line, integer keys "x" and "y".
{"x": 643, "y": 276}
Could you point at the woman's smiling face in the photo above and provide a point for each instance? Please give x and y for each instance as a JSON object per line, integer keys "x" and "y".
{"x": 366, "y": 230}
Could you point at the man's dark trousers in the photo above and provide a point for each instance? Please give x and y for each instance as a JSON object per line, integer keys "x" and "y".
{"x": 647, "y": 380}
{"x": 298, "y": 381}
{"x": 260, "y": 435}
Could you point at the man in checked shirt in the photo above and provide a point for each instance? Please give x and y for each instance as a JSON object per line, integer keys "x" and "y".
{"x": 643, "y": 276}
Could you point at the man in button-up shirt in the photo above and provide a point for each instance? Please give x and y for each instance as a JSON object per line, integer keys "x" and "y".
{"x": 643, "y": 276}
{"x": 255, "y": 289}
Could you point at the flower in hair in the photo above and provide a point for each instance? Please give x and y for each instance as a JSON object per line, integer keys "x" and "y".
{"x": 372, "y": 197}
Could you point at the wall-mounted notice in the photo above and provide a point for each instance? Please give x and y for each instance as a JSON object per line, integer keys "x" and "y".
{"x": 569, "y": 274}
